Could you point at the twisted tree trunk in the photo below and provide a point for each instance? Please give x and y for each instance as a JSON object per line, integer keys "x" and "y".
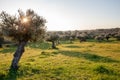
{"x": 0, "y": 45}
{"x": 53, "y": 45}
{"x": 18, "y": 54}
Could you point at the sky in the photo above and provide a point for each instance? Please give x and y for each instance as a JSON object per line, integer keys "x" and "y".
{"x": 70, "y": 14}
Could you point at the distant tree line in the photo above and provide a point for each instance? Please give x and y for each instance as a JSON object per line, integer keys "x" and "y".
{"x": 84, "y": 35}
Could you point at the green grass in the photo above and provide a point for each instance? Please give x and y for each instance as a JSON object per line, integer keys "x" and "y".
{"x": 39, "y": 45}
{"x": 65, "y": 42}
{"x": 76, "y": 61}
{"x": 103, "y": 70}
{"x": 10, "y": 49}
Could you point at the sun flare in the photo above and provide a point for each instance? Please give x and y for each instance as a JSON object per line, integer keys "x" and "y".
{"x": 25, "y": 20}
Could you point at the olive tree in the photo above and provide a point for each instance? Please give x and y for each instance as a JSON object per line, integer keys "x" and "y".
{"x": 99, "y": 38}
{"x": 23, "y": 27}
{"x": 117, "y": 36}
{"x": 52, "y": 38}
{"x": 82, "y": 37}
{"x": 107, "y": 36}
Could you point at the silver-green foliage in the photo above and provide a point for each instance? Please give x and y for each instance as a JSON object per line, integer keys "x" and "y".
{"x": 15, "y": 27}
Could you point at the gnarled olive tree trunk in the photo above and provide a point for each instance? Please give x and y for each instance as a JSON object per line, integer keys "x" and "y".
{"x": 0, "y": 45}
{"x": 53, "y": 45}
{"x": 18, "y": 54}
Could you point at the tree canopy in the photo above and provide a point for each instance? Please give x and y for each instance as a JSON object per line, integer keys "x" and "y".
{"x": 24, "y": 26}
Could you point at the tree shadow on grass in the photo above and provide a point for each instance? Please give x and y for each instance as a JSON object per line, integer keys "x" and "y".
{"x": 8, "y": 50}
{"x": 88, "y": 56}
{"x": 12, "y": 75}
{"x": 25, "y": 70}
{"x": 73, "y": 46}
{"x": 39, "y": 45}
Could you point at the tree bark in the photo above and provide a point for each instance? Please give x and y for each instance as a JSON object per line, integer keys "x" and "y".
{"x": 53, "y": 45}
{"x": 0, "y": 45}
{"x": 18, "y": 54}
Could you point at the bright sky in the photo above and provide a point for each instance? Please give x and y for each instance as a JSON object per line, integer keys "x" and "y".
{"x": 70, "y": 14}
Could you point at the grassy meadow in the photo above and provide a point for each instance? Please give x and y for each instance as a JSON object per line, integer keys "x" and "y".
{"x": 71, "y": 61}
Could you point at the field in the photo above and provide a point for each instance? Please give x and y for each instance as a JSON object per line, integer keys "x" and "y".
{"x": 71, "y": 61}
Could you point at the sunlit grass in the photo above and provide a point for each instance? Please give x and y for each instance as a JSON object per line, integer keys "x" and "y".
{"x": 76, "y": 61}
